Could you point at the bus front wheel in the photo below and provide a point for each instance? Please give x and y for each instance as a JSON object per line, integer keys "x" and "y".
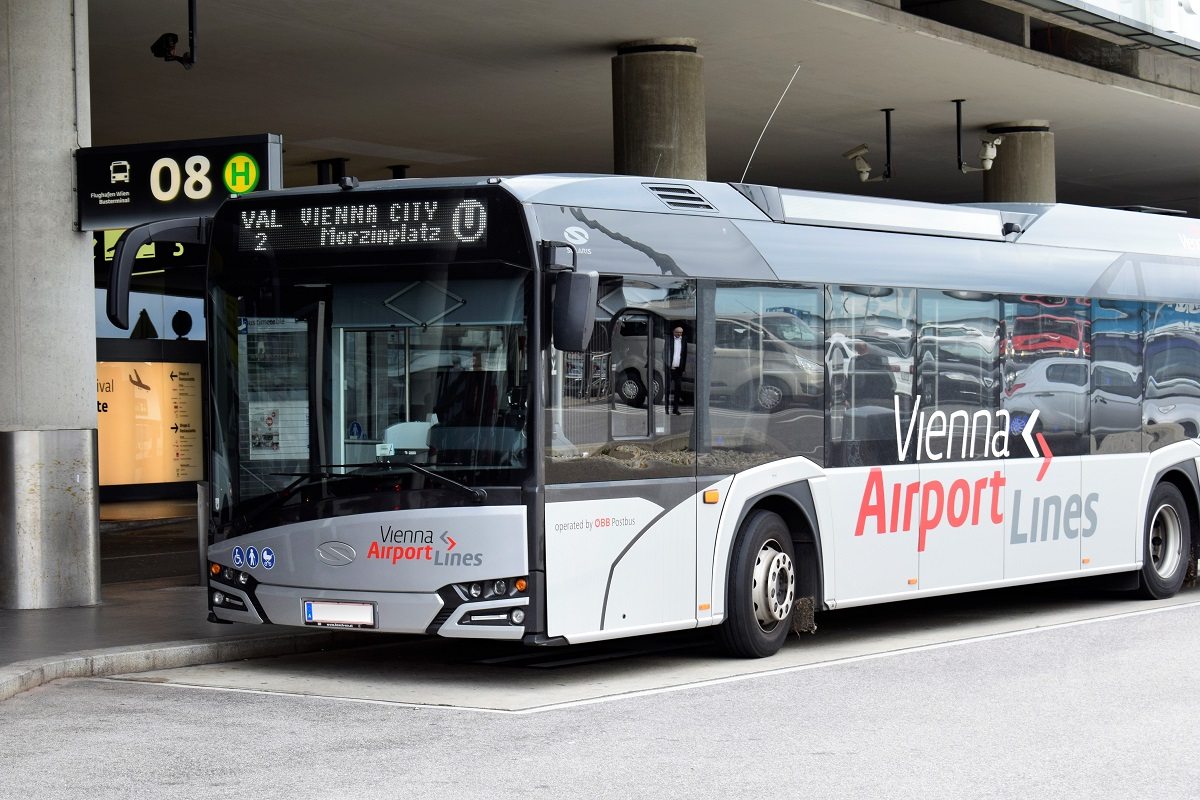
{"x": 762, "y": 588}
{"x": 1167, "y": 544}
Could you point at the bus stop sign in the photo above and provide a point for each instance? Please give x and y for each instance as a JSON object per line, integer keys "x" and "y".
{"x": 126, "y": 185}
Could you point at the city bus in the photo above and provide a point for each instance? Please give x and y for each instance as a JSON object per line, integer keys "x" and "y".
{"x": 414, "y": 399}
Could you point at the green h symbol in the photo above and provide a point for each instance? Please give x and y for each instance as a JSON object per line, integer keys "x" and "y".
{"x": 240, "y": 171}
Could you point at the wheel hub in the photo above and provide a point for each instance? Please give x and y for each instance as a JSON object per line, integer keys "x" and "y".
{"x": 1166, "y": 539}
{"x": 774, "y": 588}
{"x": 769, "y": 396}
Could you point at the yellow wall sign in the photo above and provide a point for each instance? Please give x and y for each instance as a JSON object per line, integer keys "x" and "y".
{"x": 150, "y": 422}
{"x": 241, "y": 173}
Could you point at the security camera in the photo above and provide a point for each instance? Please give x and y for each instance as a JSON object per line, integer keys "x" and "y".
{"x": 987, "y": 156}
{"x": 164, "y": 48}
{"x": 856, "y": 154}
{"x": 987, "y": 152}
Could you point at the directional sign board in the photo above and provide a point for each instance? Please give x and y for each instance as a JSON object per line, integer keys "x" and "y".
{"x": 150, "y": 422}
{"x": 127, "y": 185}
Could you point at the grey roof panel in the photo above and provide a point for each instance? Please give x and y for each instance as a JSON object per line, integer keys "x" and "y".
{"x": 1090, "y": 228}
{"x": 619, "y": 192}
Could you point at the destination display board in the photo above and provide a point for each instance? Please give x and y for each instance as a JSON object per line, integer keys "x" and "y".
{"x": 413, "y": 223}
{"x": 372, "y": 225}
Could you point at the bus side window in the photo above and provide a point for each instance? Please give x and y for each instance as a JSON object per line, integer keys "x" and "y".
{"x": 1172, "y": 405}
{"x": 870, "y": 333}
{"x": 765, "y": 377}
{"x": 1047, "y": 361}
{"x": 958, "y": 366}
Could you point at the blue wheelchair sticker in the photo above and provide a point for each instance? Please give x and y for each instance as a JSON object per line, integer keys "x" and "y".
{"x": 239, "y": 558}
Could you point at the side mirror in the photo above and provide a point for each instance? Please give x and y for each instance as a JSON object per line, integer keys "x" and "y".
{"x": 574, "y": 313}
{"x": 191, "y": 230}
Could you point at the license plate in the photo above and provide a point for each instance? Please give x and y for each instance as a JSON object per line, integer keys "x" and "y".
{"x": 339, "y": 614}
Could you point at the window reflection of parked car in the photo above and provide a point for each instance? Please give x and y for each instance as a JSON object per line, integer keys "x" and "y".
{"x": 1071, "y": 402}
{"x": 764, "y": 362}
{"x": 971, "y": 383}
{"x": 1047, "y": 334}
{"x": 761, "y": 362}
{"x": 632, "y": 382}
{"x": 866, "y": 371}
{"x": 958, "y": 363}
{"x": 1173, "y": 380}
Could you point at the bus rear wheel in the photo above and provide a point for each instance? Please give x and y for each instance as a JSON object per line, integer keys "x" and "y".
{"x": 1167, "y": 544}
{"x": 762, "y": 588}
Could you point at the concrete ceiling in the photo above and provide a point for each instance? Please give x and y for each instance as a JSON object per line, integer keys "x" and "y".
{"x": 478, "y": 87}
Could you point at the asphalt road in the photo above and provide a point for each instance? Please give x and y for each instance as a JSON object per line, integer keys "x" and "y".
{"x": 1032, "y": 693}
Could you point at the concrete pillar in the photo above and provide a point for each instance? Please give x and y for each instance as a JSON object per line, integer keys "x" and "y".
{"x": 49, "y": 518}
{"x": 658, "y": 109}
{"x": 1024, "y": 168}
{"x": 330, "y": 170}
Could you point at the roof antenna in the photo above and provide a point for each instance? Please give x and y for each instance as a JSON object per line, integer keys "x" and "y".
{"x": 764, "y": 130}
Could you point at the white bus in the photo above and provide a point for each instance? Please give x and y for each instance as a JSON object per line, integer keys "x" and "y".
{"x": 425, "y": 413}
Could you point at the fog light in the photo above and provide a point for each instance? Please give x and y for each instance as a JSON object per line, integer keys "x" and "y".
{"x": 500, "y": 587}
{"x": 218, "y": 598}
{"x": 243, "y": 578}
{"x": 517, "y": 616}
{"x": 476, "y": 590}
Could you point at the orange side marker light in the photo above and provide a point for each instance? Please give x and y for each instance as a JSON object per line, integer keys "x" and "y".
{"x": 712, "y": 497}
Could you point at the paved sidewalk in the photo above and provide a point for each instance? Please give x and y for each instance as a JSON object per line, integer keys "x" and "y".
{"x": 139, "y": 625}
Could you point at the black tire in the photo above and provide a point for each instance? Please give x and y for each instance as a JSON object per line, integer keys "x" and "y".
{"x": 762, "y": 541}
{"x": 631, "y": 390}
{"x": 769, "y": 396}
{"x": 1166, "y": 543}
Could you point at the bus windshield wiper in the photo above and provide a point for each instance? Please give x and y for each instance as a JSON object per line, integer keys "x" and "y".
{"x": 479, "y": 495}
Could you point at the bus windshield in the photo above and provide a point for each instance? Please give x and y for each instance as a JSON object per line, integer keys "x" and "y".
{"x": 349, "y": 394}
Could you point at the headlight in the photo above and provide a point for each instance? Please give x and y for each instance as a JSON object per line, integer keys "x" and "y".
{"x": 804, "y": 363}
